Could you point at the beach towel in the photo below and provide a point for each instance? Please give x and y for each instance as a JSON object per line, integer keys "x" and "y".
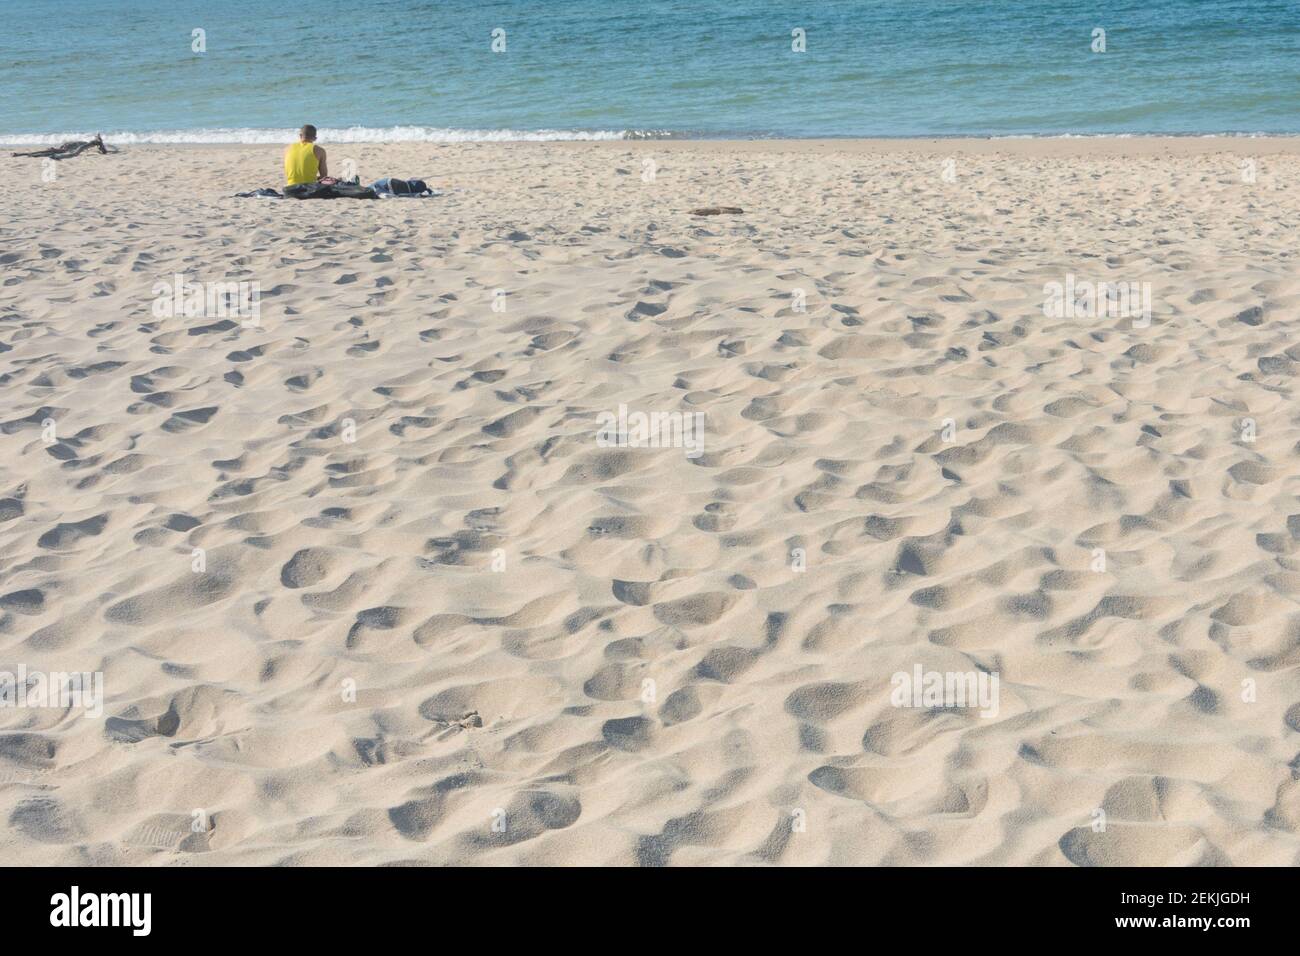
{"x": 386, "y": 188}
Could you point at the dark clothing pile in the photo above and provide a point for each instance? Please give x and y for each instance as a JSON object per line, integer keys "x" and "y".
{"x": 330, "y": 191}
{"x": 388, "y": 188}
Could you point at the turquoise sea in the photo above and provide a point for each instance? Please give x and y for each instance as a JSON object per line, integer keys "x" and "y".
{"x": 402, "y": 69}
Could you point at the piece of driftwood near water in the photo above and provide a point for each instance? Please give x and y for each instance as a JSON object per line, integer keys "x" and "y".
{"x": 69, "y": 149}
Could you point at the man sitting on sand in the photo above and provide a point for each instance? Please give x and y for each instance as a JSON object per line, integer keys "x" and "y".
{"x": 304, "y": 161}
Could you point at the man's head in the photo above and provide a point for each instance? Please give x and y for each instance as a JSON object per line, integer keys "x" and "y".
{"x": 307, "y": 134}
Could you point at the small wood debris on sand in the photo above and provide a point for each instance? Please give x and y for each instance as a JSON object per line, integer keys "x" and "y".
{"x": 69, "y": 149}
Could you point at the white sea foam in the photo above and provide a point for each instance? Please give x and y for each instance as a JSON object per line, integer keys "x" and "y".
{"x": 351, "y": 134}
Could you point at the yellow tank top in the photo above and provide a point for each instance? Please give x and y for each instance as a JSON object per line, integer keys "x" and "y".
{"x": 300, "y": 165}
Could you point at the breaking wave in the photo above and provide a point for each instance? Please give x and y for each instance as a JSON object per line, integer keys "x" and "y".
{"x": 351, "y": 134}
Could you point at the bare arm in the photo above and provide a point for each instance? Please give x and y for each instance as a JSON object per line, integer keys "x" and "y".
{"x": 320, "y": 159}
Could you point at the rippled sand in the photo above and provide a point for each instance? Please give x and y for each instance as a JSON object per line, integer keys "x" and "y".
{"x": 364, "y": 587}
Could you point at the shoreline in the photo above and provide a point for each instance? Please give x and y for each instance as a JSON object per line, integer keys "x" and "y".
{"x": 400, "y": 135}
{"x": 1120, "y": 145}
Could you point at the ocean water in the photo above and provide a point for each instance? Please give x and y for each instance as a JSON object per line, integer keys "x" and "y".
{"x": 402, "y": 69}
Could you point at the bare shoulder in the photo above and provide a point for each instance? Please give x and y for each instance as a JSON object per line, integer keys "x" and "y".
{"x": 320, "y": 151}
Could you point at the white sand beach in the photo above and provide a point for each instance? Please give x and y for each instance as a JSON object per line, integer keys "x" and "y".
{"x": 364, "y": 587}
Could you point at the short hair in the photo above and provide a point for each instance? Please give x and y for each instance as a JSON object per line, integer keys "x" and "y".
{"x": 308, "y": 132}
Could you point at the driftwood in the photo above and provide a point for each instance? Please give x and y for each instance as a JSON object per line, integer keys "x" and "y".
{"x": 718, "y": 211}
{"x": 71, "y": 148}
